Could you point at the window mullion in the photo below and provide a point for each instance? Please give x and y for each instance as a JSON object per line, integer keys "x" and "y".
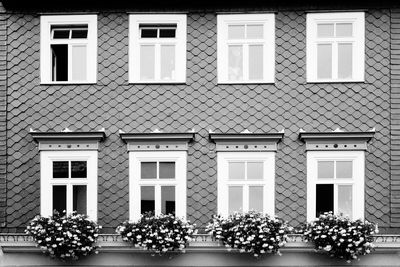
{"x": 157, "y": 199}
{"x": 246, "y": 62}
{"x": 70, "y": 62}
{"x": 157, "y": 71}
{"x": 245, "y": 198}
{"x": 69, "y": 198}
{"x": 335, "y": 198}
{"x": 335, "y": 63}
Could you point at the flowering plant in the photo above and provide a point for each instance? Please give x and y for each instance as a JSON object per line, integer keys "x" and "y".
{"x": 341, "y": 237}
{"x": 158, "y": 234}
{"x": 64, "y": 237}
{"x": 250, "y": 232}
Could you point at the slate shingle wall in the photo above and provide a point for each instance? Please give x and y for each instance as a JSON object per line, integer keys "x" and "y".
{"x": 112, "y": 103}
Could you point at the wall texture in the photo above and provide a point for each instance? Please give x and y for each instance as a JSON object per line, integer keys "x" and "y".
{"x": 202, "y": 104}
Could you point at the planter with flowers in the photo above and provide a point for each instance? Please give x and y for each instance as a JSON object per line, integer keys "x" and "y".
{"x": 157, "y": 233}
{"x": 341, "y": 237}
{"x": 66, "y": 237}
{"x": 250, "y": 232}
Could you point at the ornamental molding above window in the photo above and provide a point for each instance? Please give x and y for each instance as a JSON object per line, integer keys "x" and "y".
{"x": 246, "y": 141}
{"x": 68, "y": 140}
{"x": 157, "y": 141}
{"x": 336, "y": 140}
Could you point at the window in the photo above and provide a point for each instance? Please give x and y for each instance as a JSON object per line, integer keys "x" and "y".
{"x": 335, "y": 182}
{"x": 335, "y": 47}
{"x": 246, "y": 181}
{"x": 157, "y": 48}
{"x": 157, "y": 183}
{"x": 69, "y": 182}
{"x": 68, "y": 50}
{"x": 246, "y": 48}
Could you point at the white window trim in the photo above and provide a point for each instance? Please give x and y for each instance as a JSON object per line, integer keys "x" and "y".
{"x": 268, "y": 20}
{"x": 135, "y": 158}
{"x": 45, "y": 52}
{"x": 268, "y": 158}
{"x": 180, "y": 48}
{"x": 358, "y": 20}
{"x": 358, "y": 158}
{"x": 46, "y": 180}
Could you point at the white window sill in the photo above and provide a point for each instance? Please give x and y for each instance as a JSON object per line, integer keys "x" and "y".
{"x": 336, "y": 81}
{"x": 66, "y": 83}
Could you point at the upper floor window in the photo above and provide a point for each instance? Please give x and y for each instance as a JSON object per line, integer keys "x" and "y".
{"x": 335, "y": 47}
{"x": 68, "y": 50}
{"x": 246, "y": 48}
{"x": 157, "y": 48}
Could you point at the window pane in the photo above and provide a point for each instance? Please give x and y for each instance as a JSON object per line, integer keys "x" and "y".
{"x": 235, "y": 199}
{"x": 324, "y": 64}
{"x": 235, "y": 62}
{"x": 345, "y": 61}
{"x": 345, "y": 200}
{"x": 168, "y": 199}
{"x": 256, "y": 58}
{"x": 167, "y": 170}
{"x": 256, "y": 199}
{"x": 167, "y": 62}
{"x": 78, "y": 169}
{"x": 255, "y": 170}
{"x": 325, "y": 169}
{"x": 60, "y": 169}
{"x": 79, "y": 199}
{"x": 148, "y": 170}
{"x": 344, "y": 29}
{"x": 325, "y": 30}
{"x": 147, "y": 62}
{"x": 324, "y": 198}
{"x": 344, "y": 169}
{"x": 60, "y": 198}
{"x": 149, "y": 33}
{"x": 79, "y": 34}
{"x": 147, "y": 199}
{"x": 59, "y": 62}
{"x": 255, "y": 31}
{"x": 167, "y": 33}
{"x": 236, "y": 170}
{"x": 235, "y": 31}
{"x": 79, "y": 59}
{"x": 61, "y": 34}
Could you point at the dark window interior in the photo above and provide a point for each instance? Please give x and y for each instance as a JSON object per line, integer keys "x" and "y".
{"x": 59, "y": 62}
{"x": 147, "y": 206}
{"x": 59, "y": 198}
{"x": 157, "y": 30}
{"x": 78, "y": 169}
{"x": 169, "y": 207}
{"x": 324, "y": 198}
{"x": 167, "y": 33}
{"x": 60, "y": 169}
{"x": 79, "y": 202}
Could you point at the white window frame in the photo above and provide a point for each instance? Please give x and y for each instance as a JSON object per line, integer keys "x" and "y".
{"x": 135, "y": 158}
{"x": 268, "y": 20}
{"x": 358, "y": 41}
{"x": 135, "y": 41}
{"x": 46, "y": 180}
{"x": 45, "y": 52}
{"x": 223, "y": 159}
{"x": 358, "y": 159}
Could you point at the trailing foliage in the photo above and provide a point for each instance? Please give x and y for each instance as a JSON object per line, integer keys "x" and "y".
{"x": 158, "y": 234}
{"x": 341, "y": 237}
{"x": 251, "y": 232}
{"x": 64, "y": 237}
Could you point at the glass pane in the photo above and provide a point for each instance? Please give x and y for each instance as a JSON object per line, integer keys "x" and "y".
{"x": 236, "y": 32}
{"x": 255, "y": 31}
{"x": 236, "y": 170}
{"x": 78, "y": 169}
{"x": 167, "y": 33}
{"x": 167, "y": 62}
{"x": 324, "y": 62}
{"x": 79, "y": 199}
{"x": 325, "y": 169}
{"x": 345, "y": 61}
{"x": 61, "y": 34}
{"x": 147, "y": 62}
{"x": 60, "y": 169}
{"x": 325, "y": 30}
{"x": 168, "y": 199}
{"x": 148, "y": 170}
{"x": 79, "y": 60}
{"x": 344, "y": 29}
{"x": 60, "y": 198}
{"x": 255, "y": 170}
{"x": 344, "y": 169}
{"x": 256, "y": 199}
{"x": 345, "y": 200}
{"x": 79, "y": 34}
{"x": 147, "y": 199}
{"x": 235, "y": 62}
{"x": 167, "y": 170}
{"x": 324, "y": 198}
{"x": 59, "y": 62}
{"x": 149, "y": 33}
{"x": 235, "y": 199}
{"x": 256, "y": 58}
